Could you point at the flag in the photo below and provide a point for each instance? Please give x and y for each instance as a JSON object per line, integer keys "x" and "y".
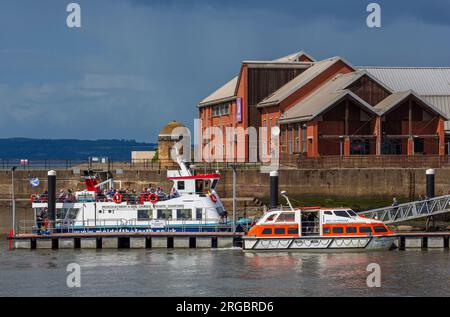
{"x": 34, "y": 181}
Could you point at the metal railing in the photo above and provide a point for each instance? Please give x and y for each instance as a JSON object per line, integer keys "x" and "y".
{"x": 410, "y": 211}
{"x": 119, "y": 225}
{"x": 366, "y": 161}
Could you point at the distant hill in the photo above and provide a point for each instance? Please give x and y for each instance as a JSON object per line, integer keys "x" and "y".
{"x": 68, "y": 149}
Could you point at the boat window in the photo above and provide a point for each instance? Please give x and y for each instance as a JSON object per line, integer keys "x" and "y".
{"x": 352, "y": 213}
{"x": 271, "y": 217}
{"x": 341, "y": 213}
{"x": 286, "y": 217}
{"x": 67, "y": 213}
{"x": 380, "y": 229}
{"x": 365, "y": 230}
{"x": 338, "y": 230}
{"x": 198, "y": 213}
{"x": 144, "y": 214}
{"x": 350, "y": 230}
{"x": 199, "y": 185}
{"x": 329, "y": 213}
{"x": 164, "y": 214}
{"x": 280, "y": 231}
{"x": 292, "y": 230}
{"x": 183, "y": 214}
{"x": 267, "y": 231}
{"x": 326, "y": 230}
{"x": 180, "y": 185}
{"x": 214, "y": 184}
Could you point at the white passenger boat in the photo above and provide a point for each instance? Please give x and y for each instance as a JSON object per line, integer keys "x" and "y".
{"x": 193, "y": 206}
{"x": 317, "y": 229}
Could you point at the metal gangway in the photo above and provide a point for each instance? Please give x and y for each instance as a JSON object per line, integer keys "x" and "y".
{"x": 410, "y": 211}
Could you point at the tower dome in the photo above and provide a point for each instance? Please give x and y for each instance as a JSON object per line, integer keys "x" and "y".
{"x": 166, "y": 131}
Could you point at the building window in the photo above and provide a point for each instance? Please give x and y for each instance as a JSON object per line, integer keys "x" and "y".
{"x": 304, "y": 140}
{"x": 291, "y": 137}
{"x": 221, "y": 110}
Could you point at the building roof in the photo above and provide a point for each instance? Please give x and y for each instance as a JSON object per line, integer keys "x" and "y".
{"x": 298, "y": 82}
{"x": 426, "y": 81}
{"x": 324, "y": 97}
{"x": 314, "y": 106}
{"x": 395, "y": 99}
{"x": 295, "y": 57}
{"x": 225, "y": 93}
{"x": 431, "y": 83}
{"x": 228, "y": 91}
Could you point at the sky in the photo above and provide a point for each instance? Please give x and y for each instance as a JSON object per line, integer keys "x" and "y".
{"x": 134, "y": 65}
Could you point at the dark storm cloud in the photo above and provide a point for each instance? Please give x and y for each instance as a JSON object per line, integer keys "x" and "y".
{"x": 135, "y": 65}
{"x": 431, "y": 12}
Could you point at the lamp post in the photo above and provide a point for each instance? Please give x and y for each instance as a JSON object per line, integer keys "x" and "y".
{"x": 13, "y": 199}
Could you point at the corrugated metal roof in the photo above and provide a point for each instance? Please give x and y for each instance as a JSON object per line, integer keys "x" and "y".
{"x": 443, "y": 104}
{"x": 298, "y": 82}
{"x": 325, "y": 96}
{"x": 431, "y": 83}
{"x": 393, "y": 100}
{"x": 224, "y": 93}
{"x": 426, "y": 81}
{"x": 294, "y": 57}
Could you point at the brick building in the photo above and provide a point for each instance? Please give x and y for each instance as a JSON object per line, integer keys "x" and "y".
{"x": 329, "y": 108}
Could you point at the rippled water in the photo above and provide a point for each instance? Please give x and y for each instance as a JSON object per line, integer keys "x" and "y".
{"x": 228, "y": 272}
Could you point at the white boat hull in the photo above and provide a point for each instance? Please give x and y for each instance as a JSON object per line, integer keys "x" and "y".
{"x": 319, "y": 244}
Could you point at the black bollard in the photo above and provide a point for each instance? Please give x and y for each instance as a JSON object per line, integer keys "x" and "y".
{"x": 51, "y": 200}
{"x": 273, "y": 190}
{"x": 430, "y": 183}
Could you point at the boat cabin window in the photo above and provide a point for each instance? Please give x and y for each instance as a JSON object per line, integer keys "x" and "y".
{"x": 199, "y": 185}
{"x": 145, "y": 214}
{"x": 214, "y": 183}
{"x": 202, "y": 185}
{"x": 180, "y": 185}
{"x": 341, "y": 213}
{"x": 329, "y": 213}
{"x": 379, "y": 229}
{"x": 67, "y": 213}
{"x": 292, "y": 230}
{"x": 270, "y": 218}
{"x": 286, "y": 217}
{"x": 183, "y": 214}
{"x": 326, "y": 230}
{"x": 198, "y": 213}
{"x": 280, "y": 231}
{"x": 350, "y": 230}
{"x": 352, "y": 213}
{"x": 267, "y": 231}
{"x": 365, "y": 230}
{"x": 164, "y": 214}
{"x": 338, "y": 230}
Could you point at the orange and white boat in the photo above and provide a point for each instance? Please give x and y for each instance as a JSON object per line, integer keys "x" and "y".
{"x": 315, "y": 228}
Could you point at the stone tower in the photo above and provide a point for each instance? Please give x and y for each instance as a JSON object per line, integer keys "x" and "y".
{"x": 165, "y": 142}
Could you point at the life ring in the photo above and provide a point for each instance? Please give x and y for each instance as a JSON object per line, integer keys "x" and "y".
{"x": 213, "y": 198}
{"x": 153, "y": 198}
{"x": 117, "y": 198}
{"x": 32, "y": 198}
